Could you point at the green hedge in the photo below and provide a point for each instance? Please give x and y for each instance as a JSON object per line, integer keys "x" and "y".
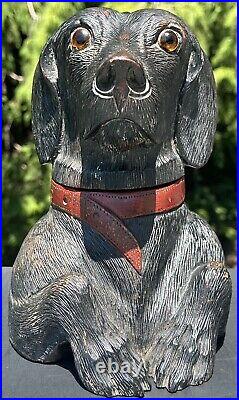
{"x": 26, "y": 27}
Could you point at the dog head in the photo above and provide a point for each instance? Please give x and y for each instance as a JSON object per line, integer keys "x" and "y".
{"x": 123, "y": 100}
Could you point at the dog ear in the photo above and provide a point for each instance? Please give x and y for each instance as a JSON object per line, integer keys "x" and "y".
{"x": 46, "y": 107}
{"x": 197, "y": 111}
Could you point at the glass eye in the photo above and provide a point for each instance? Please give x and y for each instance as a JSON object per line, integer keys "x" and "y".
{"x": 80, "y": 38}
{"x": 168, "y": 40}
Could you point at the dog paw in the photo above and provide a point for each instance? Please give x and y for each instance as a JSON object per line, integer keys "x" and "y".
{"x": 181, "y": 359}
{"x": 118, "y": 373}
{"x": 203, "y": 367}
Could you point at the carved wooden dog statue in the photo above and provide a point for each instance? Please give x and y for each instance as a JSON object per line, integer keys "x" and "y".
{"x": 119, "y": 267}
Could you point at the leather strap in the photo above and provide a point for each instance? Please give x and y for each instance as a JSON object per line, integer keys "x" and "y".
{"x": 104, "y": 211}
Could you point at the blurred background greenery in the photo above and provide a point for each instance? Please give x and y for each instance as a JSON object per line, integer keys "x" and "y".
{"x": 26, "y": 27}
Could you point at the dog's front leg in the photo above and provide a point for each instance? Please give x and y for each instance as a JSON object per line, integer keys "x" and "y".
{"x": 184, "y": 352}
{"x": 69, "y": 310}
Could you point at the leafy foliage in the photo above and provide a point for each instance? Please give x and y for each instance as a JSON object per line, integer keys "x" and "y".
{"x": 26, "y": 27}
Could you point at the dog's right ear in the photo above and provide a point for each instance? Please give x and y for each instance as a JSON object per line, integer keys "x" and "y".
{"x": 46, "y": 106}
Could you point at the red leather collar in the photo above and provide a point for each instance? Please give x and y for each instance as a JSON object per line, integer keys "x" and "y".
{"x": 104, "y": 211}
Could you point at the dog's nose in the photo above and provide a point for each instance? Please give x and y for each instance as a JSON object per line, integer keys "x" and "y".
{"x": 121, "y": 71}
{"x": 121, "y": 77}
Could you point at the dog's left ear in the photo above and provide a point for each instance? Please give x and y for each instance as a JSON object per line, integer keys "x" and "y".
{"x": 46, "y": 107}
{"x": 197, "y": 111}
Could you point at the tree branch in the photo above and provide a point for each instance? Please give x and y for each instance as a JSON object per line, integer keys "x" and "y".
{"x": 31, "y": 10}
{"x": 16, "y": 77}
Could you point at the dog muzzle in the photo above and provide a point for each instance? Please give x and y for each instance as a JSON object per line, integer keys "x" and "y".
{"x": 105, "y": 211}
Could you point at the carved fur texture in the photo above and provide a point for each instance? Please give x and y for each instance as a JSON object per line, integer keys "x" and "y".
{"x": 69, "y": 285}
